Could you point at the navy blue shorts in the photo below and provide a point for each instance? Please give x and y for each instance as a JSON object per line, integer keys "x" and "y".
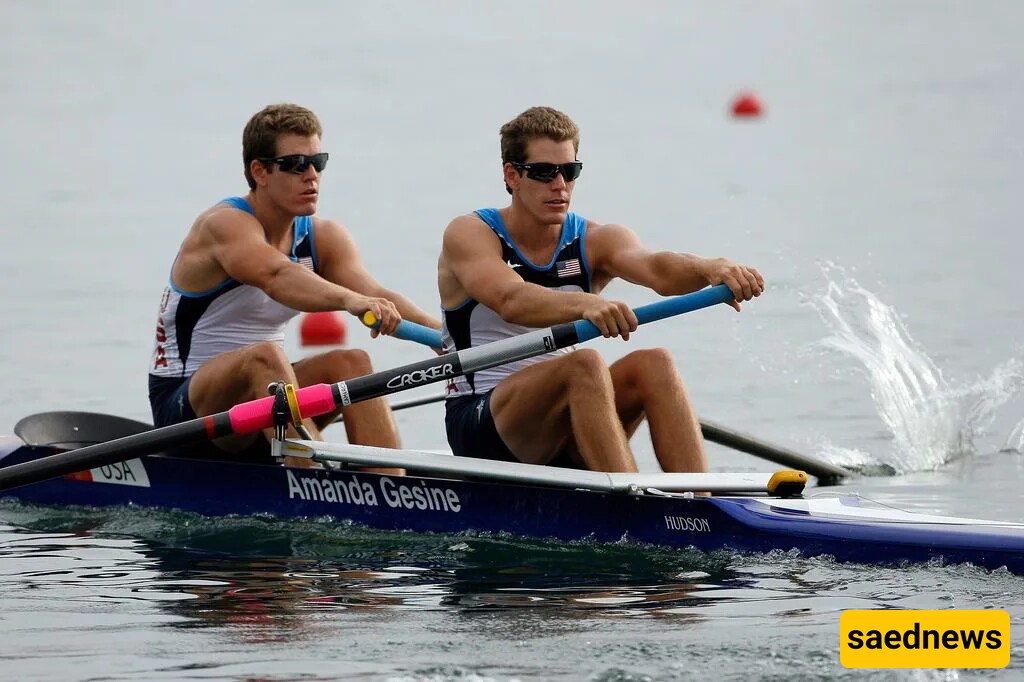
{"x": 168, "y": 398}
{"x": 471, "y": 429}
{"x": 472, "y": 433}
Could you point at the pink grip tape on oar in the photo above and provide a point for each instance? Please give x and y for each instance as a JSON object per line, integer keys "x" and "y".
{"x": 316, "y": 400}
{"x": 256, "y": 415}
{"x": 252, "y": 416}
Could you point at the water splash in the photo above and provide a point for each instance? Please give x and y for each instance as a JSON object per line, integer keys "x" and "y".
{"x": 932, "y": 421}
{"x": 1015, "y": 441}
{"x": 853, "y": 459}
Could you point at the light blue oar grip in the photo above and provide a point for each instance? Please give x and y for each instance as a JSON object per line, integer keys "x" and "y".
{"x": 407, "y": 331}
{"x": 410, "y": 331}
{"x": 676, "y": 305}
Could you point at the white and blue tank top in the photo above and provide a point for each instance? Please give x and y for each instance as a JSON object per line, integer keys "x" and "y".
{"x": 472, "y": 324}
{"x": 194, "y": 327}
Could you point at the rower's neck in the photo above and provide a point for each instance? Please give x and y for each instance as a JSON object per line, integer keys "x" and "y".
{"x": 276, "y": 223}
{"x": 527, "y": 232}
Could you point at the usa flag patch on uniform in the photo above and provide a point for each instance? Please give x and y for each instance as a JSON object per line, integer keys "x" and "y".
{"x": 567, "y": 268}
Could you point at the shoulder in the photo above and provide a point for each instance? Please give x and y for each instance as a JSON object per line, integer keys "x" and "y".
{"x": 328, "y": 227}
{"x": 332, "y": 237}
{"x": 469, "y": 225}
{"x": 468, "y": 219}
{"x": 469, "y": 233}
{"x": 223, "y": 220}
{"x": 610, "y": 234}
{"x": 606, "y": 243}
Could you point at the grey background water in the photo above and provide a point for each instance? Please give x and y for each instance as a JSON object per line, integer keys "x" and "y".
{"x": 890, "y": 149}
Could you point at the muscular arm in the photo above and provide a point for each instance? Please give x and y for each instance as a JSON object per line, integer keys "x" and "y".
{"x": 616, "y": 251}
{"x": 226, "y": 242}
{"x": 340, "y": 263}
{"x": 238, "y": 245}
{"x": 471, "y": 266}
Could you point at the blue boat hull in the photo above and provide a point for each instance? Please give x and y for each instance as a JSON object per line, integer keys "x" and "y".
{"x": 430, "y": 504}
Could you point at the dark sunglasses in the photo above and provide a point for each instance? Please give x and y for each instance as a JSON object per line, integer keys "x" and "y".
{"x": 298, "y": 163}
{"x": 546, "y": 172}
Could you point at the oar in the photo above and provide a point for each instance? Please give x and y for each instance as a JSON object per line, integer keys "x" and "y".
{"x": 256, "y": 415}
{"x": 826, "y": 472}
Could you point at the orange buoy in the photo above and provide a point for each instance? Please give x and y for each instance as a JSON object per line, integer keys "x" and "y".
{"x": 747, "y": 105}
{"x": 322, "y": 329}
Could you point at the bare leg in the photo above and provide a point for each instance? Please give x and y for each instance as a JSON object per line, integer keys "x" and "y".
{"x": 647, "y": 385}
{"x": 370, "y": 422}
{"x": 238, "y": 376}
{"x": 559, "y": 404}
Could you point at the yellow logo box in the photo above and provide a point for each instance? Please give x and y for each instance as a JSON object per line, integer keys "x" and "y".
{"x": 924, "y": 639}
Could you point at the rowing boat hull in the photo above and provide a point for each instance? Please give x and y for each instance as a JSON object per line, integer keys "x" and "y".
{"x": 845, "y": 528}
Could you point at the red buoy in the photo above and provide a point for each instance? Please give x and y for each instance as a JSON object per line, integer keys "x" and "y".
{"x": 746, "y": 105}
{"x": 322, "y": 329}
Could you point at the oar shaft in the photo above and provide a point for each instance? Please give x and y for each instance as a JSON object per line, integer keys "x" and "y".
{"x": 668, "y": 307}
{"x": 826, "y": 472}
{"x": 433, "y": 370}
{"x": 652, "y": 312}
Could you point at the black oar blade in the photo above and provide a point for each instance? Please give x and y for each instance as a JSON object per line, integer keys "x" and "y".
{"x": 68, "y": 430}
{"x": 826, "y": 472}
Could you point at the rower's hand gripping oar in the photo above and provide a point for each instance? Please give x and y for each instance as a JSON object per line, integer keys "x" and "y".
{"x": 256, "y": 415}
{"x": 407, "y": 331}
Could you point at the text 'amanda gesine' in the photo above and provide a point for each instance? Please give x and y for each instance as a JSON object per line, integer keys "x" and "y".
{"x": 352, "y": 490}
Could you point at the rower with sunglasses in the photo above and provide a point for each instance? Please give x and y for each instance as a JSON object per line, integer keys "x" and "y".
{"x": 250, "y": 264}
{"x": 534, "y": 264}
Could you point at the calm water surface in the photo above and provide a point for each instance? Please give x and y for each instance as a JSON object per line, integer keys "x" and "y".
{"x": 879, "y": 196}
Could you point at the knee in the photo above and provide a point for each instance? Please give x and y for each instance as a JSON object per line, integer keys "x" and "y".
{"x": 266, "y": 357}
{"x": 656, "y": 360}
{"x": 586, "y": 368}
{"x": 586, "y": 361}
{"x": 652, "y": 367}
{"x": 346, "y": 364}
